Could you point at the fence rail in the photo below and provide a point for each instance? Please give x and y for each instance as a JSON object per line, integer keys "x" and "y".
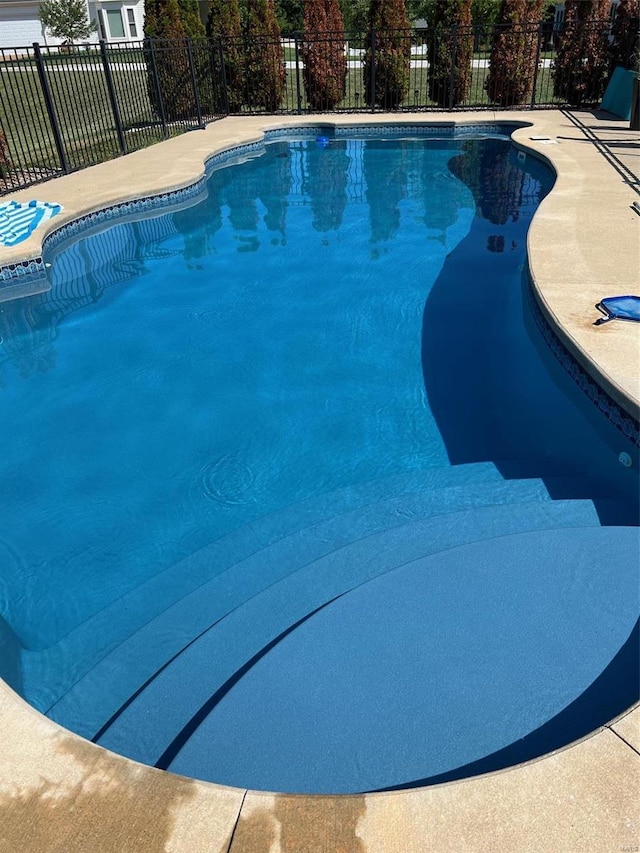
{"x": 62, "y": 109}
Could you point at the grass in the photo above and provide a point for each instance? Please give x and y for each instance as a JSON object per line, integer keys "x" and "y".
{"x": 83, "y": 109}
{"x": 78, "y": 56}
{"x": 82, "y": 105}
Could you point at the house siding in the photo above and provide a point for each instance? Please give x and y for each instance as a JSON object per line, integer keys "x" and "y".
{"x": 20, "y": 25}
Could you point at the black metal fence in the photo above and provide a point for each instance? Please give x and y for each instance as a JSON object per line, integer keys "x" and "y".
{"x": 62, "y": 109}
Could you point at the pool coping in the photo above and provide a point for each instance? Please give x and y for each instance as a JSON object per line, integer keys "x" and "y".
{"x": 584, "y": 795}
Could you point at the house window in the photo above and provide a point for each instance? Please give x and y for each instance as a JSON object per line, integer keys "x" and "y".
{"x": 115, "y": 23}
{"x": 131, "y": 20}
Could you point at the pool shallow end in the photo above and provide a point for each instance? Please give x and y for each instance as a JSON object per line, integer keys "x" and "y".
{"x": 582, "y": 797}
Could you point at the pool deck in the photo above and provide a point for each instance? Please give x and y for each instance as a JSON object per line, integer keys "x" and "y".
{"x": 60, "y": 793}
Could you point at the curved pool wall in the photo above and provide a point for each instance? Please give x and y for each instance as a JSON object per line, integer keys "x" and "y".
{"x": 618, "y": 418}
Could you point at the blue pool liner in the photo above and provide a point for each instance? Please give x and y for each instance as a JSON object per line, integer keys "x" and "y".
{"x": 18, "y": 220}
{"x": 618, "y": 308}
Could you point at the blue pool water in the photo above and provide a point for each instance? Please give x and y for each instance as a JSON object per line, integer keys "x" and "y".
{"x": 229, "y": 416}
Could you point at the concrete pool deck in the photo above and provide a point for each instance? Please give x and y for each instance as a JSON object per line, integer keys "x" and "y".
{"x": 60, "y": 793}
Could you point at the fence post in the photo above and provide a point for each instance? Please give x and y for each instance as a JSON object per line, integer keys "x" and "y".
{"x": 223, "y": 78}
{"x": 246, "y": 55}
{"x": 535, "y": 67}
{"x": 151, "y": 53}
{"x": 298, "y": 90}
{"x": 372, "y": 82}
{"x": 48, "y": 100}
{"x": 452, "y": 76}
{"x": 111, "y": 89}
{"x": 194, "y": 83}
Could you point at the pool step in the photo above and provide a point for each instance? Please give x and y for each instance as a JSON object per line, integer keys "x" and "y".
{"x": 272, "y": 609}
{"x": 170, "y": 631}
{"x": 80, "y": 650}
{"x": 428, "y": 668}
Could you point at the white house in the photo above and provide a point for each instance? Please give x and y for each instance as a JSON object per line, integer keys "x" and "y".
{"x": 117, "y": 20}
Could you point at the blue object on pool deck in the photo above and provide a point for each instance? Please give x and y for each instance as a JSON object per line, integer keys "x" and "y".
{"x": 19, "y": 219}
{"x": 618, "y": 94}
{"x": 618, "y": 308}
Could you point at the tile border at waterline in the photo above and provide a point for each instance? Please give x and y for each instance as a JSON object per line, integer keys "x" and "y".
{"x": 157, "y": 203}
{"x": 606, "y": 405}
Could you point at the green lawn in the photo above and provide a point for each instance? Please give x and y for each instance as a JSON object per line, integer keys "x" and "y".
{"x": 83, "y": 108}
{"x": 82, "y": 104}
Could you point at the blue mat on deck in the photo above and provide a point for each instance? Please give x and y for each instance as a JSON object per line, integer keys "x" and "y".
{"x": 19, "y": 219}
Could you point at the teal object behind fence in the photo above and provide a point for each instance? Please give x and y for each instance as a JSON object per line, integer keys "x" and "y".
{"x": 618, "y": 94}
{"x": 19, "y": 219}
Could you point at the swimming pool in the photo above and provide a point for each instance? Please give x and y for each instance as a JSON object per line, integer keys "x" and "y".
{"x": 189, "y": 430}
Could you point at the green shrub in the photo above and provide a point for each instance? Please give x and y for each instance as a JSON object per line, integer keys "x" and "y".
{"x": 224, "y": 26}
{"x": 514, "y": 47}
{"x": 450, "y": 50}
{"x": 264, "y": 69}
{"x": 582, "y": 62}
{"x": 389, "y": 56}
{"x": 322, "y": 53}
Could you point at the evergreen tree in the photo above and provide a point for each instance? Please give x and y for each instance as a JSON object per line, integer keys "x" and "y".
{"x": 67, "y": 19}
{"x": 450, "y": 51}
{"x": 290, "y": 13}
{"x": 225, "y": 27}
{"x": 625, "y": 45}
{"x": 162, "y": 20}
{"x": 169, "y": 76}
{"x": 514, "y": 48}
{"x": 485, "y": 12}
{"x": 205, "y": 60}
{"x": 264, "y": 68}
{"x": 388, "y": 54}
{"x": 582, "y": 60}
{"x": 190, "y": 17}
{"x": 322, "y": 53}
{"x": 354, "y": 13}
